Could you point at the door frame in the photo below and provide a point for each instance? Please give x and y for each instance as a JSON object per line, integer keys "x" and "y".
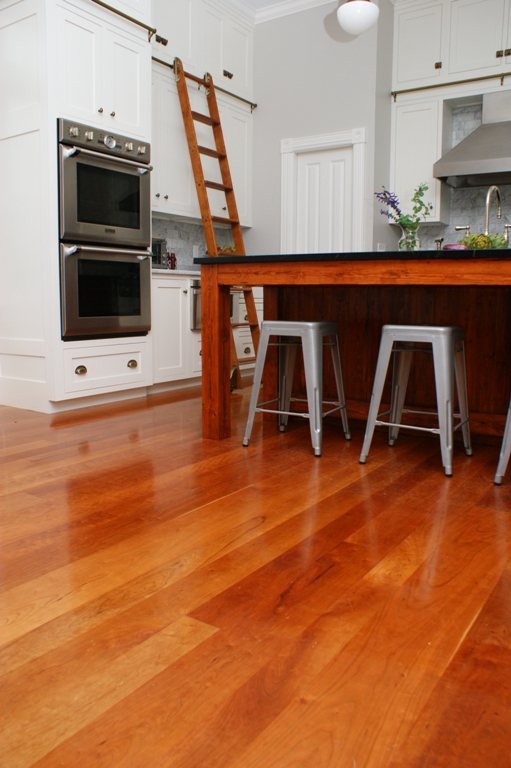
{"x": 289, "y": 150}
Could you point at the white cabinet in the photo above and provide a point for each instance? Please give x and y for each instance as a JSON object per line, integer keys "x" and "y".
{"x": 178, "y": 21}
{"x": 242, "y": 336}
{"x": 207, "y": 38}
{"x": 444, "y": 41}
{"x": 417, "y": 143}
{"x": 418, "y": 44}
{"x": 477, "y": 39}
{"x": 173, "y": 186}
{"x": 226, "y": 49}
{"x": 103, "y": 73}
{"x": 91, "y": 369}
{"x": 176, "y": 349}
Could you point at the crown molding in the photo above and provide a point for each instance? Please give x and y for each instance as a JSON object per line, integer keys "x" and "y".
{"x": 286, "y": 8}
{"x": 240, "y": 8}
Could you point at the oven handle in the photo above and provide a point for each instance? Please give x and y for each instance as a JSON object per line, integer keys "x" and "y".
{"x": 70, "y": 249}
{"x": 69, "y": 152}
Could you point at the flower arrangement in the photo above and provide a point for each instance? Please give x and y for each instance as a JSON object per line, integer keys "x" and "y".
{"x": 409, "y": 222}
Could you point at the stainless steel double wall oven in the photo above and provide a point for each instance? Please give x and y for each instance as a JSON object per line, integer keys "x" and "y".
{"x": 105, "y": 233}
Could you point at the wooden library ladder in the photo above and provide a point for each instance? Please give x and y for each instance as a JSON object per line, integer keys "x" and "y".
{"x": 202, "y": 185}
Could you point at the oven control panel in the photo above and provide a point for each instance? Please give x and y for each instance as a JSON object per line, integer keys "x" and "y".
{"x": 86, "y": 136}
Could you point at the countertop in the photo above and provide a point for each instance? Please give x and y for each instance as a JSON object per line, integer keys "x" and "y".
{"x": 500, "y": 254}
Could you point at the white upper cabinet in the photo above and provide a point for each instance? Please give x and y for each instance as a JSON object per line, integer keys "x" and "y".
{"x": 172, "y": 182}
{"x": 226, "y": 50}
{"x": 417, "y": 142}
{"x": 103, "y": 72}
{"x": 178, "y": 22}
{"x": 449, "y": 40}
{"x": 476, "y": 40}
{"x": 418, "y": 44}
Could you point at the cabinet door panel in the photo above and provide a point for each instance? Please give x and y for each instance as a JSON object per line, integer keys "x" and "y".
{"x": 212, "y": 42}
{"x": 127, "y": 63}
{"x": 238, "y": 130}
{"x": 418, "y": 44}
{"x": 178, "y": 22}
{"x": 476, "y": 35}
{"x": 237, "y": 60}
{"x": 417, "y": 145}
{"x": 173, "y": 188}
{"x": 170, "y": 305}
{"x": 80, "y": 67}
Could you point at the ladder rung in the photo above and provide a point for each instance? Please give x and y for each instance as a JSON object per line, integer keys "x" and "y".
{"x": 206, "y": 119}
{"x": 217, "y": 185}
{"x": 210, "y": 152}
{"x": 222, "y": 220}
{"x": 240, "y": 325}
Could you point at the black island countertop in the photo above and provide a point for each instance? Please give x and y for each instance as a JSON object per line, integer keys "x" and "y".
{"x": 498, "y": 253}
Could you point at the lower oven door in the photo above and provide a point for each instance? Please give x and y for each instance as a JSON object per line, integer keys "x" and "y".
{"x": 104, "y": 292}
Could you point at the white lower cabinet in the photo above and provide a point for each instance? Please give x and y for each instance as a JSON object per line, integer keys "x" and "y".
{"x": 176, "y": 348}
{"x": 106, "y": 368}
{"x": 242, "y": 336}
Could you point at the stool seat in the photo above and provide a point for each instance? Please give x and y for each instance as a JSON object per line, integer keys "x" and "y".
{"x": 311, "y": 335}
{"x": 449, "y": 364}
{"x": 505, "y": 451}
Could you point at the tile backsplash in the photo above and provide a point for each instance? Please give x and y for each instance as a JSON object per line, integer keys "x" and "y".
{"x": 467, "y": 205}
{"x": 181, "y": 236}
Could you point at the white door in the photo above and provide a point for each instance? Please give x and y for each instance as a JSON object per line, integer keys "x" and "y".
{"x": 324, "y": 201}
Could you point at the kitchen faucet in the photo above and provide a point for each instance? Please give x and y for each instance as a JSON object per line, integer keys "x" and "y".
{"x": 495, "y": 189}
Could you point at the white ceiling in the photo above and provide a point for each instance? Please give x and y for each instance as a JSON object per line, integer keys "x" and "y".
{"x": 258, "y": 4}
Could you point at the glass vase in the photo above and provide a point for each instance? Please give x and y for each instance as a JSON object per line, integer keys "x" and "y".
{"x": 409, "y": 240}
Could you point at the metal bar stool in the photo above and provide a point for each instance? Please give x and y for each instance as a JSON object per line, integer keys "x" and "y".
{"x": 312, "y": 338}
{"x": 449, "y": 362}
{"x": 505, "y": 451}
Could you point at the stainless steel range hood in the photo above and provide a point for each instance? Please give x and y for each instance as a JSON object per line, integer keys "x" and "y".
{"x": 484, "y": 157}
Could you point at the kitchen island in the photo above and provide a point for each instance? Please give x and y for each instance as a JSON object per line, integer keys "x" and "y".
{"x": 362, "y": 292}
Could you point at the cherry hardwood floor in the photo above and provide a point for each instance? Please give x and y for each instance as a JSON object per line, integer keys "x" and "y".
{"x": 173, "y": 601}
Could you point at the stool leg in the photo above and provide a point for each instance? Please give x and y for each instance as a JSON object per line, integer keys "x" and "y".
{"x": 312, "y": 347}
{"x": 336, "y": 361}
{"x": 258, "y": 375}
{"x": 443, "y": 356}
{"x": 461, "y": 384}
{"x": 505, "y": 451}
{"x": 379, "y": 382}
{"x": 287, "y": 357}
{"x": 403, "y": 352}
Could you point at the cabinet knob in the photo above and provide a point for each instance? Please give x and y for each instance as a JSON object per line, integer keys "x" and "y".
{"x": 499, "y": 54}
{"x": 228, "y": 74}
{"x": 438, "y": 65}
{"x": 185, "y": 291}
{"x": 112, "y": 114}
{"x": 100, "y": 110}
{"x": 247, "y": 350}
{"x": 166, "y": 197}
{"x": 80, "y": 370}
{"x": 157, "y": 194}
{"x": 132, "y": 364}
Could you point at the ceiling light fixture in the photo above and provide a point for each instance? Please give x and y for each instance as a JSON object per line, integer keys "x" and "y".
{"x": 355, "y": 16}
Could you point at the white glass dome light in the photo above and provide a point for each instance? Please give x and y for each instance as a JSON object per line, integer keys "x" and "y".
{"x": 355, "y": 16}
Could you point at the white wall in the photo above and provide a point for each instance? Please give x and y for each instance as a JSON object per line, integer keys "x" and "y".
{"x": 311, "y": 78}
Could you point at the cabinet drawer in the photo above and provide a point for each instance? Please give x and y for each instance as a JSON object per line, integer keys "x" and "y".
{"x": 104, "y": 368}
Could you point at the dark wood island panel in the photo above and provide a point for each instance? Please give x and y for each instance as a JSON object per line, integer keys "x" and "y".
{"x": 363, "y": 292}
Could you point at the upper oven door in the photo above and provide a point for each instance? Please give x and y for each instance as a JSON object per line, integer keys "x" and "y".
{"x": 104, "y": 199}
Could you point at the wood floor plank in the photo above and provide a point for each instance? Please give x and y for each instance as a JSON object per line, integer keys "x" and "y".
{"x": 26, "y": 736}
{"x": 170, "y": 601}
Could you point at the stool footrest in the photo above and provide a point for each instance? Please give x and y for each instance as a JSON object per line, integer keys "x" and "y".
{"x": 434, "y": 430}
